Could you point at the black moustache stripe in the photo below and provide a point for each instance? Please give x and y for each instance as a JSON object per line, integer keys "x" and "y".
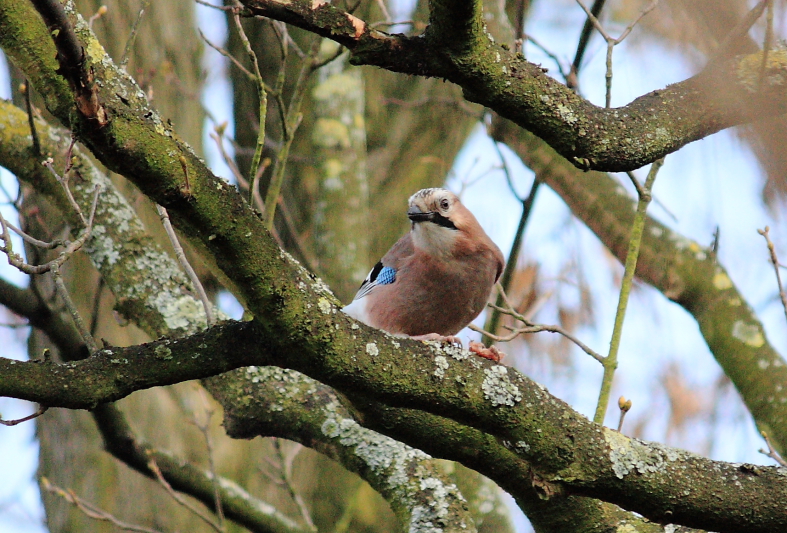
{"x": 440, "y": 220}
{"x": 434, "y": 217}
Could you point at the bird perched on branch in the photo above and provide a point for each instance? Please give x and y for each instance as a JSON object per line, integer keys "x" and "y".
{"x": 436, "y": 279}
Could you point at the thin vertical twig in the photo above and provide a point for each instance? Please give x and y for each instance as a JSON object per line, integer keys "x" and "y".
{"x": 31, "y": 120}
{"x": 184, "y": 262}
{"x": 584, "y": 37}
{"x": 611, "y": 41}
{"x": 285, "y": 463}
{"x": 775, "y": 262}
{"x": 133, "y": 36}
{"x": 611, "y": 361}
{"x": 516, "y": 247}
{"x": 77, "y": 318}
{"x": 262, "y": 96}
{"x": 291, "y": 123}
{"x": 205, "y": 430}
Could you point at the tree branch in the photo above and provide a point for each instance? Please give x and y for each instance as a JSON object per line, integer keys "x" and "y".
{"x": 456, "y": 47}
{"x": 566, "y": 451}
{"x": 683, "y": 271}
{"x": 122, "y": 237}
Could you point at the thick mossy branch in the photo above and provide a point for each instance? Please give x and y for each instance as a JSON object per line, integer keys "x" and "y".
{"x": 565, "y": 450}
{"x": 271, "y": 401}
{"x": 681, "y": 269}
{"x": 147, "y": 281}
{"x": 114, "y": 373}
{"x": 457, "y": 47}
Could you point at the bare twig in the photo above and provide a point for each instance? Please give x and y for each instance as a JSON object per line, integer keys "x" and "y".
{"x": 72, "y": 308}
{"x": 772, "y": 453}
{"x": 584, "y": 37}
{"x": 31, "y": 119}
{"x": 16, "y": 260}
{"x": 133, "y": 35}
{"x": 290, "y": 124}
{"x": 41, "y": 410}
{"x": 262, "y": 97}
{"x": 285, "y": 462}
{"x": 513, "y": 255}
{"x": 180, "y": 499}
{"x": 63, "y": 181}
{"x": 218, "y": 138}
{"x": 740, "y": 29}
{"x": 54, "y": 266}
{"x": 229, "y": 56}
{"x": 775, "y": 263}
{"x": 384, "y": 10}
{"x": 184, "y": 262}
{"x": 635, "y": 240}
{"x": 212, "y": 6}
{"x": 205, "y": 430}
{"x": 100, "y": 12}
{"x": 551, "y": 55}
{"x": 91, "y": 510}
{"x": 612, "y": 42}
{"x": 530, "y": 327}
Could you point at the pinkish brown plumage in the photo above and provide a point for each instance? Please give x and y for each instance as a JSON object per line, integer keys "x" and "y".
{"x": 436, "y": 279}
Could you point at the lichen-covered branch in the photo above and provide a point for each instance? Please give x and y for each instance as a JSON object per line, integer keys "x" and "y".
{"x": 566, "y": 453}
{"x": 283, "y": 403}
{"x": 120, "y": 255}
{"x": 457, "y": 47}
{"x": 682, "y": 270}
{"x": 148, "y": 285}
{"x": 237, "y": 504}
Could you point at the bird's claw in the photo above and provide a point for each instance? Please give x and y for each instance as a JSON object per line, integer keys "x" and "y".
{"x": 436, "y": 337}
{"x": 491, "y": 353}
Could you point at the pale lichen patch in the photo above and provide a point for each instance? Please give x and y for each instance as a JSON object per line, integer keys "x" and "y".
{"x": 162, "y": 352}
{"x": 372, "y": 349}
{"x": 722, "y": 281}
{"x": 442, "y": 365}
{"x": 497, "y": 387}
{"x": 630, "y": 455}
{"x": 749, "y": 334}
{"x": 324, "y": 305}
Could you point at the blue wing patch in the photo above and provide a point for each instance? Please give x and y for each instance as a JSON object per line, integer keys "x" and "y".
{"x": 379, "y": 275}
{"x": 387, "y": 275}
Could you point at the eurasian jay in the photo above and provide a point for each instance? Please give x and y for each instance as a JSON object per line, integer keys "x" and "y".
{"x": 437, "y": 278}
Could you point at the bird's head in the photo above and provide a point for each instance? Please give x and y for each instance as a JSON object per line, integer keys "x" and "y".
{"x": 438, "y": 220}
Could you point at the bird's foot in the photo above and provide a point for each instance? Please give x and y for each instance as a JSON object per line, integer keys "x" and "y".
{"x": 491, "y": 353}
{"x": 450, "y": 339}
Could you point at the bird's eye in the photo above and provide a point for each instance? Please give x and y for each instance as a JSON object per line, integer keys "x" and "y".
{"x": 444, "y": 204}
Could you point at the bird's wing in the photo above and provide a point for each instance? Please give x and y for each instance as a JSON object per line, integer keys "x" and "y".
{"x": 379, "y": 275}
{"x": 384, "y": 272}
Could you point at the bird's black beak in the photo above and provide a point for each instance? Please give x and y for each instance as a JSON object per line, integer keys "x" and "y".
{"x": 416, "y": 215}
